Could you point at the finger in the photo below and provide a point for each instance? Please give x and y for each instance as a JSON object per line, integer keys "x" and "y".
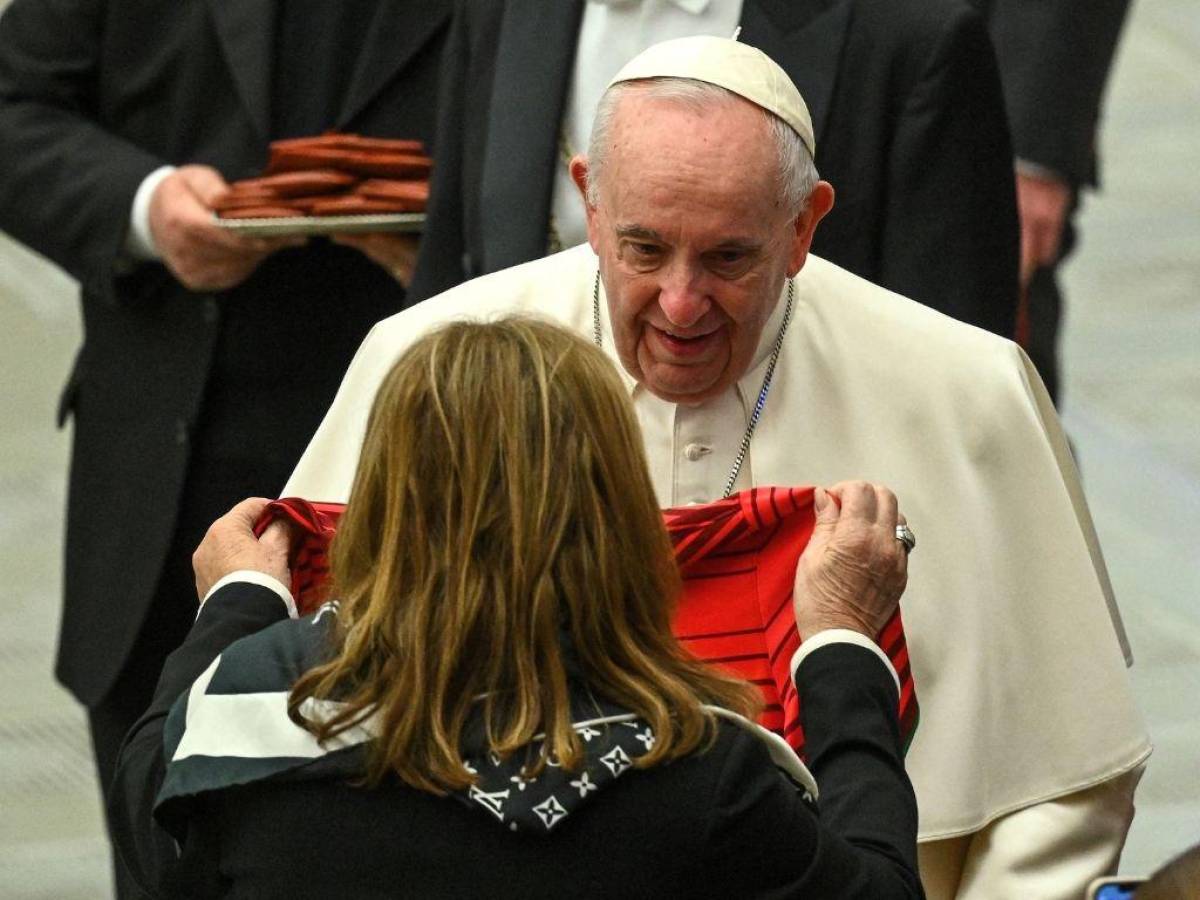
{"x": 1048, "y": 244}
{"x": 248, "y": 511}
{"x": 826, "y": 509}
{"x": 901, "y": 568}
{"x": 205, "y": 182}
{"x": 858, "y": 502}
{"x": 277, "y": 538}
{"x": 887, "y": 507}
{"x": 1028, "y": 255}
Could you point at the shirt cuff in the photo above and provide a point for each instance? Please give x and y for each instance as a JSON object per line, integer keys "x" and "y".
{"x": 139, "y": 241}
{"x": 1037, "y": 170}
{"x": 840, "y": 636}
{"x": 262, "y": 580}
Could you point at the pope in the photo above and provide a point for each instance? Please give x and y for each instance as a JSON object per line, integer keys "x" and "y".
{"x": 752, "y": 362}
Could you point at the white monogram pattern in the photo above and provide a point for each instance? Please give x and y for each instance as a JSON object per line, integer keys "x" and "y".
{"x": 493, "y": 802}
{"x": 506, "y": 788}
{"x": 617, "y": 761}
{"x": 585, "y": 784}
{"x": 550, "y": 812}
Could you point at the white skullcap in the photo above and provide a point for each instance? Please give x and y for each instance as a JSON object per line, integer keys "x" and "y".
{"x": 737, "y": 67}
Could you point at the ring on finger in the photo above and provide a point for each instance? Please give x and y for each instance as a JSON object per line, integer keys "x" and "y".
{"x": 905, "y": 535}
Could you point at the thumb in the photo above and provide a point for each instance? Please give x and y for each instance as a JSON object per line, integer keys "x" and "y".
{"x": 277, "y": 538}
{"x": 247, "y": 512}
{"x": 828, "y": 512}
{"x": 204, "y": 182}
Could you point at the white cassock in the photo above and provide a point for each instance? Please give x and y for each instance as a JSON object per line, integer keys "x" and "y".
{"x": 1017, "y": 649}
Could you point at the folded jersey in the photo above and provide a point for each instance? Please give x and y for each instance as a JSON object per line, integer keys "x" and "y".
{"x": 738, "y": 560}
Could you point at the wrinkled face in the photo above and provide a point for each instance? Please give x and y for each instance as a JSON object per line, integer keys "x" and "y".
{"x": 694, "y": 242}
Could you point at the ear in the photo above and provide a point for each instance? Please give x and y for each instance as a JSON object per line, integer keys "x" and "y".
{"x": 579, "y": 174}
{"x": 819, "y": 204}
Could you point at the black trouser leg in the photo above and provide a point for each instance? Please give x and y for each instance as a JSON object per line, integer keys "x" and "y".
{"x": 213, "y": 487}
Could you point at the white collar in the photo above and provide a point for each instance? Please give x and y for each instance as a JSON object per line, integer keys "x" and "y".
{"x": 695, "y": 7}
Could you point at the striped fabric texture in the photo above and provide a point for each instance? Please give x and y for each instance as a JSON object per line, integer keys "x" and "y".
{"x": 738, "y": 560}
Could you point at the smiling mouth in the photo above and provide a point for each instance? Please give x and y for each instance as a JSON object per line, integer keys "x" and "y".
{"x": 684, "y": 345}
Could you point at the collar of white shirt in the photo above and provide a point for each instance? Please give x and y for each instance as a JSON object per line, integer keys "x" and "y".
{"x": 695, "y": 7}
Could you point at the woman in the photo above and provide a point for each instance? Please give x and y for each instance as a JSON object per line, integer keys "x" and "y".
{"x": 495, "y": 705}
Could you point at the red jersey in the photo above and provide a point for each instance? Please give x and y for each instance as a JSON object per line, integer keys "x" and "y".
{"x": 738, "y": 560}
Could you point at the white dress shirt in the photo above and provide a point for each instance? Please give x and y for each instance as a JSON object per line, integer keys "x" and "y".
{"x": 139, "y": 241}
{"x": 690, "y": 449}
{"x": 612, "y": 33}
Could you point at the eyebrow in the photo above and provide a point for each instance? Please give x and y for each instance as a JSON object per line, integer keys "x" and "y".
{"x": 640, "y": 232}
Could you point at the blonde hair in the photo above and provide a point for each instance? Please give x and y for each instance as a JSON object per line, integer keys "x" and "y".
{"x": 502, "y": 509}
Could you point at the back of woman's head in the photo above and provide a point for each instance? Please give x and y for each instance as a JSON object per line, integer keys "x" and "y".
{"x": 502, "y": 510}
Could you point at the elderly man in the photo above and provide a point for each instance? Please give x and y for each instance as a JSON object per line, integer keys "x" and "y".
{"x": 752, "y": 362}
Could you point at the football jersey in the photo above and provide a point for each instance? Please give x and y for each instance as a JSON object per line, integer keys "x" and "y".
{"x": 737, "y": 558}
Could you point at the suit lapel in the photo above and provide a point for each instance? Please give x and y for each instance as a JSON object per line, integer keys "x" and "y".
{"x": 398, "y": 32}
{"x": 246, "y": 32}
{"x": 533, "y": 74}
{"x": 806, "y": 39}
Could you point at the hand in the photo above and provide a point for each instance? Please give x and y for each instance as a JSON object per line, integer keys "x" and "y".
{"x": 395, "y": 252}
{"x": 1042, "y": 204}
{"x": 853, "y": 571}
{"x": 202, "y": 255}
{"x": 230, "y": 546}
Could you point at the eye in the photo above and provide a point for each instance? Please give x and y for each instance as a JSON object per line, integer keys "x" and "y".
{"x": 728, "y": 262}
{"x": 642, "y": 249}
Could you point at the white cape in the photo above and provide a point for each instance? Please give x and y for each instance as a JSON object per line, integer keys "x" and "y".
{"x": 1016, "y": 645}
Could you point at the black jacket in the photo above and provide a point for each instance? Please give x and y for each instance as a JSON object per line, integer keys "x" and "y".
{"x": 909, "y": 120}
{"x": 94, "y": 95}
{"x": 1055, "y": 57}
{"x": 723, "y": 823}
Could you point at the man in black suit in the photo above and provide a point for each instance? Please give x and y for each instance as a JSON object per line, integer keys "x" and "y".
{"x": 1054, "y": 62}
{"x": 905, "y": 101}
{"x": 207, "y": 359}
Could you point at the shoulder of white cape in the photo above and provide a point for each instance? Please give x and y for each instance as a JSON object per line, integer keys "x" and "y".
{"x": 831, "y": 304}
{"x": 868, "y": 332}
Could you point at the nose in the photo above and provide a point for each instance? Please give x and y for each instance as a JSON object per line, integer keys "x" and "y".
{"x": 681, "y": 296}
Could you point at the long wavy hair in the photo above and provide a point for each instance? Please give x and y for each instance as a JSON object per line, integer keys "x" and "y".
{"x": 502, "y": 515}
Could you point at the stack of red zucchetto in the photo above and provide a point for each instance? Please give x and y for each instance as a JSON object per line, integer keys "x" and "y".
{"x": 333, "y": 175}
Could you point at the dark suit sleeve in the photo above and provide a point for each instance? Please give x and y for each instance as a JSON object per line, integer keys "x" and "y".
{"x": 1055, "y": 56}
{"x": 950, "y": 234}
{"x": 66, "y": 183}
{"x": 233, "y": 612}
{"x": 765, "y": 841}
{"x": 440, "y": 263}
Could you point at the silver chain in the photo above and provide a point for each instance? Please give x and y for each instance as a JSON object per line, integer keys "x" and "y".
{"x": 597, "y": 336}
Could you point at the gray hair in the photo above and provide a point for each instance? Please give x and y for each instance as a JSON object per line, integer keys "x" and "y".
{"x": 797, "y": 174}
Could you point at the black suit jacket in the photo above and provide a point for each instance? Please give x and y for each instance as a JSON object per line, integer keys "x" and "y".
{"x": 94, "y": 95}
{"x": 717, "y": 824}
{"x": 1055, "y": 56}
{"x": 909, "y": 120}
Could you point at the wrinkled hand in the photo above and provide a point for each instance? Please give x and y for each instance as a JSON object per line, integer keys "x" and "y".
{"x": 230, "y": 546}
{"x": 395, "y": 252}
{"x": 1042, "y": 204}
{"x": 853, "y": 571}
{"x": 202, "y": 255}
